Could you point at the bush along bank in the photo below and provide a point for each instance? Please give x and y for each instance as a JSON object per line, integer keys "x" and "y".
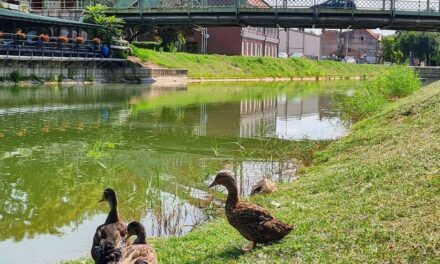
{"x": 240, "y": 67}
{"x": 371, "y": 96}
{"x": 373, "y": 196}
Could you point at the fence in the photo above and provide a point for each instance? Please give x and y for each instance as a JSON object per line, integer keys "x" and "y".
{"x": 30, "y": 45}
{"x": 385, "y": 5}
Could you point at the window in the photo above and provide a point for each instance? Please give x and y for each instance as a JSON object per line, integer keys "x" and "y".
{"x": 362, "y": 38}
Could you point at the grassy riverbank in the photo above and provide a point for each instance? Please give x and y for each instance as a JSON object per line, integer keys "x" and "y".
{"x": 218, "y": 66}
{"x": 373, "y": 196}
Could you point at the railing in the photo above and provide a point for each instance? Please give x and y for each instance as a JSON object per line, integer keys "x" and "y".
{"x": 384, "y": 5}
{"x": 32, "y": 45}
{"x": 66, "y": 4}
{"x": 378, "y": 5}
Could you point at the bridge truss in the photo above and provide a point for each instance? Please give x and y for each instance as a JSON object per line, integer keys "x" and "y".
{"x": 422, "y": 15}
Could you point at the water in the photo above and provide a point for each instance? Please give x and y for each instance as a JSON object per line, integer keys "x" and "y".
{"x": 157, "y": 147}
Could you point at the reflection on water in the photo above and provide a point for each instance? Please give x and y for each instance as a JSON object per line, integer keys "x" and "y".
{"x": 157, "y": 147}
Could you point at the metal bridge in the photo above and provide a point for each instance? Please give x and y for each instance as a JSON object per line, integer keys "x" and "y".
{"x": 421, "y": 15}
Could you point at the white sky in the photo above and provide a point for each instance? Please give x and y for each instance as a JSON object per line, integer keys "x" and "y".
{"x": 380, "y": 31}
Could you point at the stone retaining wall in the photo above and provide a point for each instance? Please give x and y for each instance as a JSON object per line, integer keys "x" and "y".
{"x": 83, "y": 69}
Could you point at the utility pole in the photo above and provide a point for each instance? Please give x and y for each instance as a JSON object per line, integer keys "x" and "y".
{"x": 346, "y": 43}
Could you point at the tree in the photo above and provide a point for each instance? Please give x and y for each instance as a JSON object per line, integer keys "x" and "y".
{"x": 390, "y": 50}
{"x": 423, "y": 45}
{"x": 111, "y": 26}
{"x": 172, "y": 38}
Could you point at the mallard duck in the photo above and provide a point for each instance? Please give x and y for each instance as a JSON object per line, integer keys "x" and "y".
{"x": 252, "y": 221}
{"x": 109, "y": 235}
{"x": 140, "y": 252}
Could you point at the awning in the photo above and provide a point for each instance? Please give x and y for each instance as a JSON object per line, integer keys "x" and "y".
{"x": 6, "y": 14}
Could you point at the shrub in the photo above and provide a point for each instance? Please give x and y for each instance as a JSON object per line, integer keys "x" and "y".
{"x": 50, "y": 78}
{"x": 15, "y": 76}
{"x": 121, "y": 54}
{"x": 147, "y": 45}
{"x": 373, "y": 95}
{"x": 34, "y": 77}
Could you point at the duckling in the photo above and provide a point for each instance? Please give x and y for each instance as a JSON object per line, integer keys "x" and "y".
{"x": 111, "y": 234}
{"x": 252, "y": 221}
{"x": 140, "y": 252}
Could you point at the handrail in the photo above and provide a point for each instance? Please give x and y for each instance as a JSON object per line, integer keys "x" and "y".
{"x": 32, "y": 45}
{"x": 52, "y": 39}
{"x": 243, "y": 5}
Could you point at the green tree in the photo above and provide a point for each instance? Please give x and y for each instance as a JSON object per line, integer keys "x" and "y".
{"x": 111, "y": 26}
{"x": 423, "y": 45}
{"x": 390, "y": 50}
{"x": 172, "y": 38}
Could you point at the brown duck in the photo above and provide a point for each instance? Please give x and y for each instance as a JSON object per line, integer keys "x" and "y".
{"x": 252, "y": 221}
{"x": 140, "y": 252}
{"x": 109, "y": 235}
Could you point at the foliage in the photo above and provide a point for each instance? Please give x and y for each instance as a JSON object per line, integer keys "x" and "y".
{"x": 373, "y": 95}
{"x": 424, "y": 46}
{"x": 390, "y": 51}
{"x": 147, "y": 45}
{"x": 121, "y": 54}
{"x": 172, "y": 38}
{"x": 220, "y": 66}
{"x": 15, "y": 76}
{"x": 111, "y": 26}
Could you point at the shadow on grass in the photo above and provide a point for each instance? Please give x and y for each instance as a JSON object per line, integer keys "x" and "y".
{"x": 227, "y": 254}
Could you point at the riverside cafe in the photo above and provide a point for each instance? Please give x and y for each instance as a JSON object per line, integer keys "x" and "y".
{"x": 27, "y": 34}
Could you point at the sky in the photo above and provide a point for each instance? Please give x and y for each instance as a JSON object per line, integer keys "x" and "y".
{"x": 378, "y": 30}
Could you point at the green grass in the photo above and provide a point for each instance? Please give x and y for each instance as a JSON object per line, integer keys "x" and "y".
{"x": 371, "y": 197}
{"x": 220, "y": 66}
{"x": 373, "y": 95}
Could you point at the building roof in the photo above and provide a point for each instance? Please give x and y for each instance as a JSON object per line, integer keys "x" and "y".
{"x": 6, "y": 14}
{"x": 374, "y": 35}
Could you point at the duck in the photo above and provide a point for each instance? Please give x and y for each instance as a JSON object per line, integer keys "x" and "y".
{"x": 139, "y": 252}
{"x": 264, "y": 186}
{"x": 253, "y": 222}
{"x": 110, "y": 235}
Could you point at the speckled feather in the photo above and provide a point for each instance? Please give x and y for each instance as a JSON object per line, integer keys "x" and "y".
{"x": 139, "y": 254}
{"x": 255, "y": 223}
{"x": 109, "y": 235}
{"x": 252, "y": 221}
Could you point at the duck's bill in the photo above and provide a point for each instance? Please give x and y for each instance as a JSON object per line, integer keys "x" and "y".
{"x": 102, "y": 200}
{"x": 212, "y": 185}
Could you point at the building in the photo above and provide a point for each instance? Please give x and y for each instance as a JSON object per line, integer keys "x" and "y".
{"x": 294, "y": 41}
{"x": 247, "y": 41}
{"x": 362, "y": 44}
{"x": 66, "y": 9}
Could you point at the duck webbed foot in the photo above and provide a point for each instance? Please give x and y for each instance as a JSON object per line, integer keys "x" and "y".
{"x": 249, "y": 247}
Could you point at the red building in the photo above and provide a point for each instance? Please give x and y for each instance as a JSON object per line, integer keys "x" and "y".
{"x": 362, "y": 44}
{"x": 246, "y": 41}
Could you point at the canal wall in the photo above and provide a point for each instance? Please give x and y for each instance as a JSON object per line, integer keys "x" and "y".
{"x": 428, "y": 74}
{"x": 84, "y": 69}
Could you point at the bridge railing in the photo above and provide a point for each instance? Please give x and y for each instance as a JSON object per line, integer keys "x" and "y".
{"x": 384, "y": 5}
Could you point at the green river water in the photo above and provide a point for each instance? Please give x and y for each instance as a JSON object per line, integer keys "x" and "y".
{"x": 158, "y": 147}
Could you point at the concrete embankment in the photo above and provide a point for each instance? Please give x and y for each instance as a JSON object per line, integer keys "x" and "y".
{"x": 73, "y": 69}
